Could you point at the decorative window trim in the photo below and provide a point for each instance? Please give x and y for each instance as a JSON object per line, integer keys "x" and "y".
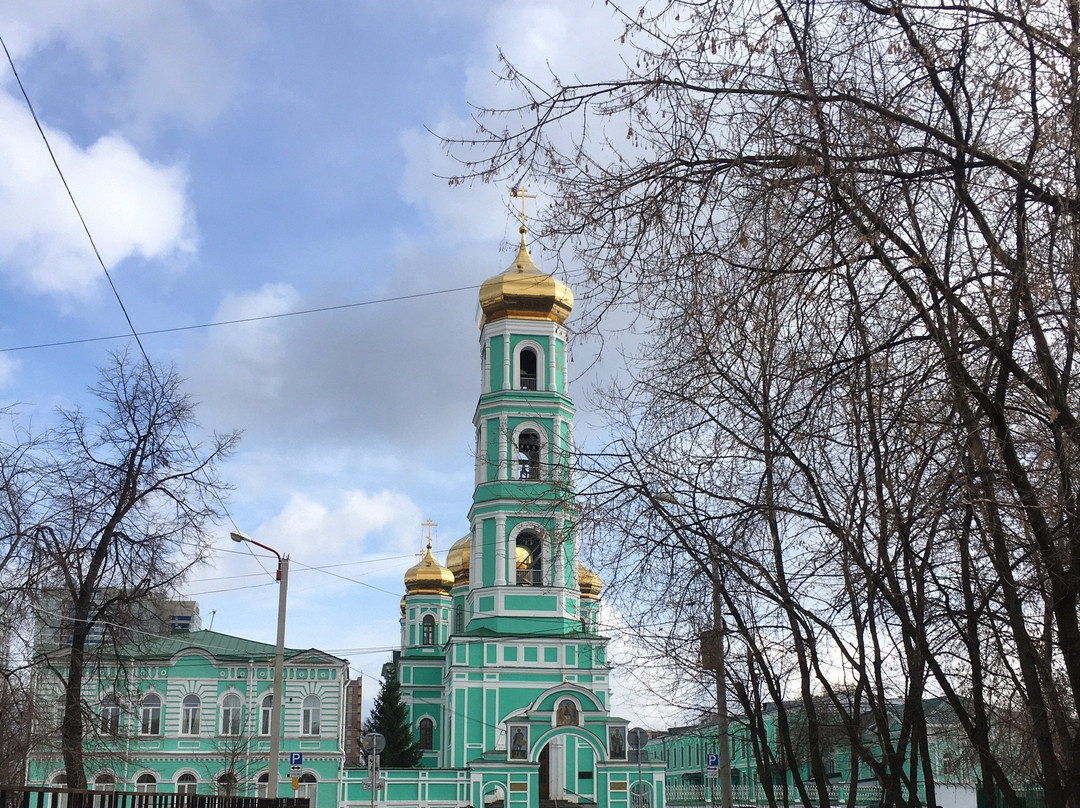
{"x": 541, "y": 364}
{"x": 190, "y": 716}
{"x": 311, "y": 719}
{"x": 428, "y": 630}
{"x": 146, "y": 710}
{"x": 545, "y": 548}
{"x": 543, "y": 467}
{"x": 430, "y": 747}
{"x": 235, "y": 726}
{"x": 266, "y": 713}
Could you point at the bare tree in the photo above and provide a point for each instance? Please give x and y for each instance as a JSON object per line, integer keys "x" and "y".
{"x": 851, "y": 232}
{"x": 116, "y": 512}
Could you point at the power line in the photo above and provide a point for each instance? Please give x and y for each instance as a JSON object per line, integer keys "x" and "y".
{"x": 239, "y": 320}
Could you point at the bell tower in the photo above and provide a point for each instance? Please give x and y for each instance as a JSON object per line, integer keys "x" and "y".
{"x": 523, "y": 573}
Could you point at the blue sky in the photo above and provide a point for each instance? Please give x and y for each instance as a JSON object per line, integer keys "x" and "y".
{"x": 237, "y": 159}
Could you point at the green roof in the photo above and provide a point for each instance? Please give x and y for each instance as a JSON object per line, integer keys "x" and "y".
{"x": 220, "y": 646}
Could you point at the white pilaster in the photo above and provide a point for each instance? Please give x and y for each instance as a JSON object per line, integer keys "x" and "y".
{"x": 506, "y": 362}
{"x": 500, "y": 549}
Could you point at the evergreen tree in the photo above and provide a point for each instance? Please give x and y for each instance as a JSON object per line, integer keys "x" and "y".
{"x": 390, "y": 718}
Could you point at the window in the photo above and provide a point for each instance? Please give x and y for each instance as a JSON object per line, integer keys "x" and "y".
{"x": 189, "y": 715}
{"x": 106, "y": 781}
{"x": 528, "y": 447}
{"x": 311, "y": 715}
{"x": 187, "y": 783}
{"x": 309, "y": 788}
{"x": 230, "y": 715}
{"x": 528, "y": 559}
{"x": 459, "y": 618}
{"x": 427, "y": 634}
{"x": 110, "y": 715}
{"x": 427, "y": 733}
{"x": 261, "y": 784}
{"x": 266, "y": 713}
{"x": 527, "y": 373}
{"x": 226, "y": 784}
{"x": 151, "y": 715}
{"x": 145, "y": 784}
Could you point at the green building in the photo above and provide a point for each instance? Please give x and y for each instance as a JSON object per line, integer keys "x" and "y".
{"x": 189, "y": 712}
{"x": 501, "y": 666}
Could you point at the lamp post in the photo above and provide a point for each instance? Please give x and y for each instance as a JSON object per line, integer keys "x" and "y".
{"x": 273, "y": 774}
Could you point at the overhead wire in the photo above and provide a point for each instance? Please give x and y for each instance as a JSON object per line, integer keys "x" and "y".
{"x": 241, "y": 320}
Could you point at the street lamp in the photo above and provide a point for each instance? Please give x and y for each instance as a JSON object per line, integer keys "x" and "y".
{"x": 273, "y": 774}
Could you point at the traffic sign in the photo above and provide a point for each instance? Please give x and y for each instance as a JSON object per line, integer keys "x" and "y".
{"x": 296, "y": 758}
{"x": 712, "y": 760}
{"x": 295, "y": 771}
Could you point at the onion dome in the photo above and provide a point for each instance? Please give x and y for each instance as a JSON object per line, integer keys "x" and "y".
{"x": 457, "y": 559}
{"x": 588, "y": 582}
{"x": 403, "y": 607}
{"x": 524, "y": 292}
{"x": 523, "y": 558}
{"x": 429, "y": 577}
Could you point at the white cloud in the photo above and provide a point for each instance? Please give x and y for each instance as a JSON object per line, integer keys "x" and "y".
{"x": 151, "y": 64}
{"x": 133, "y": 207}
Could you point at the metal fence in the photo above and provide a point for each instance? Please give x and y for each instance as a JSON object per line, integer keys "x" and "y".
{"x": 17, "y": 797}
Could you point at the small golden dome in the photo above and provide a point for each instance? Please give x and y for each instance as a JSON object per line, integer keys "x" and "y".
{"x": 429, "y": 577}
{"x": 588, "y": 582}
{"x": 403, "y": 607}
{"x": 457, "y": 559}
{"x": 523, "y": 558}
{"x": 524, "y": 292}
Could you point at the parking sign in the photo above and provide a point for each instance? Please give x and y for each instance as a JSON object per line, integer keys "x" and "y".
{"x": 296, "y": 758}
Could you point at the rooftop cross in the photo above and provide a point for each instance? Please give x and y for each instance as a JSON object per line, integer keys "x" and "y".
{"x": 429, "y": 524}
{"x": 522, "y": 193}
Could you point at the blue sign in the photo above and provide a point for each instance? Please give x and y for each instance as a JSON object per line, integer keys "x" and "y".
{"x": 712, "y": 760}
{"x": 296, "y": 758}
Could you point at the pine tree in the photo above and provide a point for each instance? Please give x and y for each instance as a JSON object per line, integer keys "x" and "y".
{"x": 390, "y": 718}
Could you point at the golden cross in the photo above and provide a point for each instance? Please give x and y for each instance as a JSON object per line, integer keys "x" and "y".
{"x": 521, "y": 192}
{"x": 429, "y": 524}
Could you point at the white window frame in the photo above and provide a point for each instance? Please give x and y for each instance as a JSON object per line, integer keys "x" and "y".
{"x": 541, "y": 363}
{"x": 311, "y": 716}
{"x": 190, "y": 715}
{"x": 150, "y": 713}
{"x": 231, "y": 712}
{"x": 266, "y": 713}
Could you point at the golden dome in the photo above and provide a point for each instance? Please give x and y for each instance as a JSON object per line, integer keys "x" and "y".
{"x": 588, "y": 582}
{"x": 523, "y": 558}
{"x": 524, "y": 292}
{"x": 457, "y": 559}
{"x": 403, "y": 607}
{"x": 429, "y": 577}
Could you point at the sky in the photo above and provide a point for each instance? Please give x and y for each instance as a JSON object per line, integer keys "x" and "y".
{"x": 235, "y": 159}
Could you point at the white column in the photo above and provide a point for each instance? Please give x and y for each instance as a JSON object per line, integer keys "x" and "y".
{"x": 558, "y": 552}
{"x": 500, "y": 550}
{"x": 476, "y": 575}
{"x": 551, "y": 363}
{"x": 506, "y": 362}
{"x": 504, "y": 450}
{"x": 485, "y": 369}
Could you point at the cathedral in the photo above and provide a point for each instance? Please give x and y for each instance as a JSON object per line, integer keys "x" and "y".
{"x": 501, "y": 664}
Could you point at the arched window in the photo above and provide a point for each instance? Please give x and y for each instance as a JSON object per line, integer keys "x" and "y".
{"x": 261, "y": 784}
{"x": 427, "y": 632}
{"x": 226, "y": 784}
{"x": 150, "y": 720}
{"x": 230, "y": 715}
{"x": 427, "y": 734}
{"x": 146, "y": 783}
{"x": 187, "y": 783}
{"x": 189, "y": 715}
{"x": 528, "y": 449}
{"x": 529, "y": 559}
{"x": 309, "y": 788}
{"x": 312, "y": 713}
{"x": 266, "y": 712}
{"x": 527, "y": 369}
{"x": 106, "y": 781}
{"x": 459, "y": 618}
{"x": 110, "y": 715}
